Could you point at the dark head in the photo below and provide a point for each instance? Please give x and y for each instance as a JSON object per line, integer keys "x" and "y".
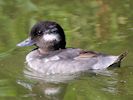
{"x": 46, "y": 35}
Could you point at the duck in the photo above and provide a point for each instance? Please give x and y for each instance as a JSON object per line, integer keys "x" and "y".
{"x": 51, "y": 56}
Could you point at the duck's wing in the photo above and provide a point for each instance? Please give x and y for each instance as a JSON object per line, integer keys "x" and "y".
{"x": 72, "y": 53}
{"x": 87, "y": 54}
{"x": 101, "y": 60}
{"x": 82, "y": 59}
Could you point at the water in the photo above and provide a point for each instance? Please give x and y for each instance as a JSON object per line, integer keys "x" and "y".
{"x": 100, "y": 25}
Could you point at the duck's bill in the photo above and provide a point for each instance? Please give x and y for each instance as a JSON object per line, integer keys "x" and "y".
{"x": 27, "y": 42}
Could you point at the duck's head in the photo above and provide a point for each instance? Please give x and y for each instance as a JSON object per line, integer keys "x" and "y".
{"x": 46, "y": 35}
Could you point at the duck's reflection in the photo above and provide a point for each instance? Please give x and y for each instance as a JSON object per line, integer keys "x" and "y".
{"x": 46, "y": 87}
{"x": 53, "y": 87}
{"x": 49, "y": 91}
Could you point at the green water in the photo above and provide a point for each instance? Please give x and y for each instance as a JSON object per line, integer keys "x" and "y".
{"x": 100, "y": 25}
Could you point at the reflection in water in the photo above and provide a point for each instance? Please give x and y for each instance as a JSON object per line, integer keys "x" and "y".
{"x": 51, "y": 87}
{"x": 54, "y": 78}
{"x": 54, "y": 87}
{"x": 49, "y": 91}
{"x": 42, "y": 90}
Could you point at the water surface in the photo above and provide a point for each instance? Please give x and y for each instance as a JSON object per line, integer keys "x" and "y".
{"x": 99, "y": 25}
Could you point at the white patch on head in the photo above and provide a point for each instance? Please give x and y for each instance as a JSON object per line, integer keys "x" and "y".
{"x": 51, "y": 37}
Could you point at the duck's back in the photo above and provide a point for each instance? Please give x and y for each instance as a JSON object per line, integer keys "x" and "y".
{"x": 69, "y": 61}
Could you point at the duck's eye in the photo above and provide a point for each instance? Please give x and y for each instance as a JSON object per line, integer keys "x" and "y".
{"x": 39, "y": 33}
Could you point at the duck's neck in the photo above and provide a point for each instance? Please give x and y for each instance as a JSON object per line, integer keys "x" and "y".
{"x": 45, "y": 51}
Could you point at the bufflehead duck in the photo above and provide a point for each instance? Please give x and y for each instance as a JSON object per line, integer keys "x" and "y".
{"x": 52, "y": 57}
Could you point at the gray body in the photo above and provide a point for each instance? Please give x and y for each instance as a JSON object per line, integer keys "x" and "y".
{"x": 68, "y": 61}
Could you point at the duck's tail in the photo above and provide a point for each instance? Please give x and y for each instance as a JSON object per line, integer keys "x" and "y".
{"x": 117, "y": 63}
{"x": 121, "y": 56}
